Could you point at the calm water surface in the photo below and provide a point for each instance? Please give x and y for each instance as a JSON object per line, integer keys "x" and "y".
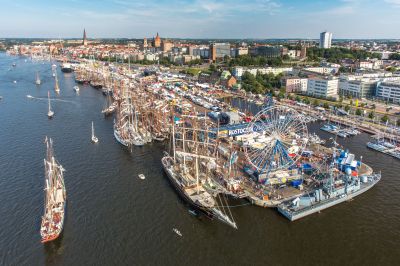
{"x": 114, "y": 218}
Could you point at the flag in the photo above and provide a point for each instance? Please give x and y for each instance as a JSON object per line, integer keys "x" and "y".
{"x": 234, "y": 157}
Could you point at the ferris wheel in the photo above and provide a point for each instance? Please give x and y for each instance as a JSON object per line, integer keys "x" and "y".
{"x": 278, "y": 140}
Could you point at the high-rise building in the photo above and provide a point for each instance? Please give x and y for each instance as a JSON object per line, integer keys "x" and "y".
{"x": 268, "y": 51}
{"x": 145, "y": 45}
{"x": 325, "y": 40}
{"x": 219, "y": 50}
{"x": 84, "y": 41}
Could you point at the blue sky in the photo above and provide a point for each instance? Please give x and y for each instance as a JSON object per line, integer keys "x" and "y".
{"x": 200, "y": 18}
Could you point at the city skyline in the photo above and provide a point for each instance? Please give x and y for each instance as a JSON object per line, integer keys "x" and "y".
{"x": 237, "y": 19}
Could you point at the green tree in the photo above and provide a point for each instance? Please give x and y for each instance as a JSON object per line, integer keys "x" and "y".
{"x": 371, "y": 115}
{"x": 298, "y": 99}
{"x": 384, "y": 118}
{"x": 212, "y": 68}
{"x": 306, "y": 100}
{"x": 358, "y": 112}
{"x": 316, "y": 102}
{"x": 347, "y": 108}
{"x": 394, "y": 56}
{"x": 326, "y": 105}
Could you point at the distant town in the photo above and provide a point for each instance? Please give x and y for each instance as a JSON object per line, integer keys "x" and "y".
{"x": 322, "y": 72}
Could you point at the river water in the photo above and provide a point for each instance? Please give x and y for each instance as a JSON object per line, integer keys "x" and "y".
{"x": 114, "y": 218}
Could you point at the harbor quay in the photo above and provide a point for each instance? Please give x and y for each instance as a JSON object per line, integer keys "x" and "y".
{"x": 267, "y": 158}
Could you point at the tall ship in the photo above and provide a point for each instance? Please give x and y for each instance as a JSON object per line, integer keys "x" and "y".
{"x": 109, "y": 106}
{"x": 126, "y": 124}
{"x": 55, "y": 197}
{"x": 187, "y": 170}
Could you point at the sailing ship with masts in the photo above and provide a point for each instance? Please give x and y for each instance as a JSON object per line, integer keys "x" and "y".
{"x": 55, "y": 197}
{"x": 109, "y": 106}
{"x": 126, "y": 123}
{"x": 188, "y": 166}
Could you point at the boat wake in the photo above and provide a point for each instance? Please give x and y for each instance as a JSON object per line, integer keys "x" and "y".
{"x": 45, "y": 99}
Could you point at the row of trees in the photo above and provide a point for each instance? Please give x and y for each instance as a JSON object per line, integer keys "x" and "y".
{"x": 247, "y": 60}
{"x": 261, "y": 83}
{"x": 337, "y": 54}
{"x": 395, "y": 56}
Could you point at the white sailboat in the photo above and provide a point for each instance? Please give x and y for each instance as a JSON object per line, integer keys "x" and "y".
{"x": 50, "y": 113}
{"x": 38, "y": 81}
{"x": 94, "y": 138}
{"x": 54, "y": 69}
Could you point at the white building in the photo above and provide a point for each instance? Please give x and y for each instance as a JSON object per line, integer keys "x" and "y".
{"x": 389, "y": 91}
{"x": 325, "y": 40}
{"x": 323, "y": 70}
{"x": 323, "y": 87}
{"x": 239, "y": 71}
{"x": 361, "y": 88}
{"x": 364, "y": 65}
{"x": 151, "y": 57}
{"x": 295, "y": 84}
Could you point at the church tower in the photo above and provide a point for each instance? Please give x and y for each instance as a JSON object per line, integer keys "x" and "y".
{"x": 84, "y": 42}
{"x": 157, "y": 41}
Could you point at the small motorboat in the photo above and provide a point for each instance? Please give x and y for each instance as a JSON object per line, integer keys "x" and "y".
{"x": 193, "y": 212}
{"x": 50, "y": 113}
{"x": 141, "y": 176}
{"x": 15, "y": 81}
{"x": 76, "y": 88}
{"x": 29, "y": 96}
{"x": 94, "y": 138}
{"x": 177, "y": 232}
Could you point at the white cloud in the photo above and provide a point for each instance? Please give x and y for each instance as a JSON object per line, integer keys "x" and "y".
{"x": 395, "y": 3}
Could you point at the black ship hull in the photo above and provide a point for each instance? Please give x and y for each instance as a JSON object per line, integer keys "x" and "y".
{"x": 66, "y": 70}
{"x": 183, "y": 195}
